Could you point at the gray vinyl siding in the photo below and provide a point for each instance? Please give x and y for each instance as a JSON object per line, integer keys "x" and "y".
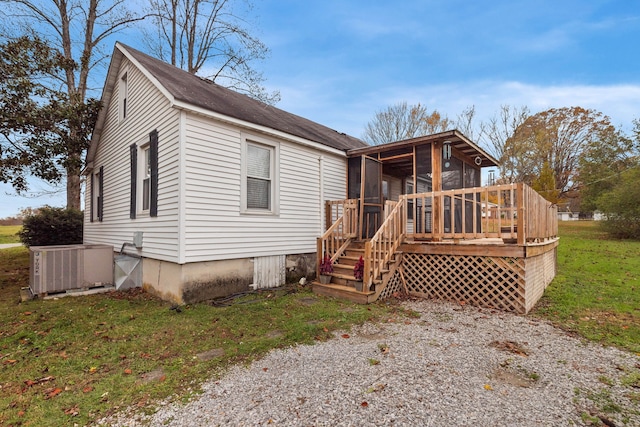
{"x": 216, "y": 229}
{"x": 147, "y": 109}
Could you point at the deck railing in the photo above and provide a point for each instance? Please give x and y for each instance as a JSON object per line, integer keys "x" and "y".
{"x": 342, "y": 220}
{"x": 384, "y": 244}
{"x": 514, "y": 212}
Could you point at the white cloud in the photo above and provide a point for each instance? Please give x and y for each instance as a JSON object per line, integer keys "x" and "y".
{"x": 620, "y": 102}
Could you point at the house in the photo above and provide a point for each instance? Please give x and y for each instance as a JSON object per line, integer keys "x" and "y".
{"x": 215, "y": 192}
{"x": 212, "y": 190}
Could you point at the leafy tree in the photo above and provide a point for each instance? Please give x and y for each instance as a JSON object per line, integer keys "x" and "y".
{"x": 621, "y": 205}
{"x": 545, "y": 184}
{"x": 558, "y": 136}
{"x": 210, "y": 38}
{"x": 42, "y": 132}
{"x": 600, "y": 166}
{"x": 403, "y": 121}
{"x": 75, "y": 30}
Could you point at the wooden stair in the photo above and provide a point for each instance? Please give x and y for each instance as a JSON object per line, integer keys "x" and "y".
{"x": 342, "y": 283}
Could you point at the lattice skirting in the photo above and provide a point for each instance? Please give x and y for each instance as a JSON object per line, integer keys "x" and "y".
{"x": 508, "y": 283}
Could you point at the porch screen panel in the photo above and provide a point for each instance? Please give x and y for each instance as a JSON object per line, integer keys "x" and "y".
{"x": 372, "y": 198}
{"x": 258, "y": 177}
{"x": 452, "y": 180}
{"x": 424, "y": 182}
{"x": 472, "y": 179}
{"x": 354, "y": 177}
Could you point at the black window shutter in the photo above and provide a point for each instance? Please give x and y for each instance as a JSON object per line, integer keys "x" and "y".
{"x": 153, "y": 160}
{"x": 133, "y": 150}
{"x": 91, "y": 206}
{"x": 101, "y": 193}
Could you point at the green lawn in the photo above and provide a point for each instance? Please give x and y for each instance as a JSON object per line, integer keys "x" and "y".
{"x": 74, "y": 360}
{"x": 8, "y": 233}
{"x": 596, "y": 292}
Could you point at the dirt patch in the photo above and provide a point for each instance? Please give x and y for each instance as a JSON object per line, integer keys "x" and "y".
{"x": 155, "y": 375}
{"x": 210, "y": 354}
{"x": 512, "y": 377}
{"x": 308, "y": 301}
{"x": 510, "y": 347}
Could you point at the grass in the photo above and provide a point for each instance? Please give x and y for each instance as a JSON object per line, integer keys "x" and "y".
{"x": 596, "y": 292}
{"x": 8, "y": 233}
{"x": 74, "y": 360}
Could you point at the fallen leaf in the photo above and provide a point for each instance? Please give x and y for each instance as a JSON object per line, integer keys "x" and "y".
{"x": 265, "y": 369}
{"x": 127, "y": 371}
{"x": 87, "y": 389}
{"x": 325, "y": 329}
{"x": 53, "y": 393}
{"x": 364, "y": 404}
{"x": 27, "y": 313}
{"x": 73, "y": 411}
{"x": 345, "y": 336}
{"x": 9, "y": 362}
{"x": 488, "y": 387}
{"x": 92, "y": 369}
{"x": 21, "y": 413}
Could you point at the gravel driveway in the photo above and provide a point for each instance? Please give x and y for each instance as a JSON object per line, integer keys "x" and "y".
{"x": 452, "y": 366}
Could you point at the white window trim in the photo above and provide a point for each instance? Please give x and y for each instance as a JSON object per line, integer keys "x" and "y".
{"x": 123, "y": 94}
{"x": 275, "y": 174}
{"x": 140, "y": 177}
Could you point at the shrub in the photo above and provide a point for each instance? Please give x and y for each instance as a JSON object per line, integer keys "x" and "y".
{"x": 52, "y": 226}
{"x": 621, "y": 206}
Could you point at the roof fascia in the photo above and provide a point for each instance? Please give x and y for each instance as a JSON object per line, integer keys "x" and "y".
{"x": 257, "y": 128}
{"x": 119, "y": 53}
{"x": 420, "y": 140}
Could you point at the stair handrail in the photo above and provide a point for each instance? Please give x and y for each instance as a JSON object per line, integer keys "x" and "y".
{"x": 336, "y": 239}
{"x": 383, "y": 245}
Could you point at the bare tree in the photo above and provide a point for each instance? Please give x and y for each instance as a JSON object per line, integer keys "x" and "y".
{"x": 77, "y": 29}
{"x": 495, "y": 133}
{"x": 403, "y": 121}
{"x": 210, "y": 38}
{"x": 465, "y": 122}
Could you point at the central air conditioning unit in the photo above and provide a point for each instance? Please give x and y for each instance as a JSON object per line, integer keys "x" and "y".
{"x": 56, "y": 269}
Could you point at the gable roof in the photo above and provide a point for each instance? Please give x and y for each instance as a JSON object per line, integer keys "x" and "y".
{"x": 191, "y": 90}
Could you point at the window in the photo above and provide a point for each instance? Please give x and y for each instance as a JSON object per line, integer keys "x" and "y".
{"x": 259, "y": 179}
{"x": 145, "y": 169}
{"x": 123, "y": 92}
{"x": 144, "y": 177}
{"x": 96, "y": 194}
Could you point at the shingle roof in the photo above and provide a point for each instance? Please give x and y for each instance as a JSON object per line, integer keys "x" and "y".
{"x": 199, "y": 92}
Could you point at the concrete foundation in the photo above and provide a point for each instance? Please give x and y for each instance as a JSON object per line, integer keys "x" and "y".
{"x": 201, "y": 281}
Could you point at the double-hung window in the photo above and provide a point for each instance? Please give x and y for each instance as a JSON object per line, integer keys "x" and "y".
{"x": 144, "y": 177}
{"x": 259, "y": 181}
{"x": 97, "y": 194}
{"x": 145, "y": 168}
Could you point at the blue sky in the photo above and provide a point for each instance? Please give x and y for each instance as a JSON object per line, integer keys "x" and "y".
{"x": 339, "y": 62}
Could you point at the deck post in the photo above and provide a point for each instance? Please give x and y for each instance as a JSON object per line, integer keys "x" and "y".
{"x": 366, "y": 277}
{"x": 319, "y": 256}
{"x": 521, "y": 223}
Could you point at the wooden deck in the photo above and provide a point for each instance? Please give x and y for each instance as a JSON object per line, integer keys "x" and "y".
{"x": 500, "y": 255}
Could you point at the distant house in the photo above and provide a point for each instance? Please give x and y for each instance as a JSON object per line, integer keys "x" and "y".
{"x": 223, "y": 190}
